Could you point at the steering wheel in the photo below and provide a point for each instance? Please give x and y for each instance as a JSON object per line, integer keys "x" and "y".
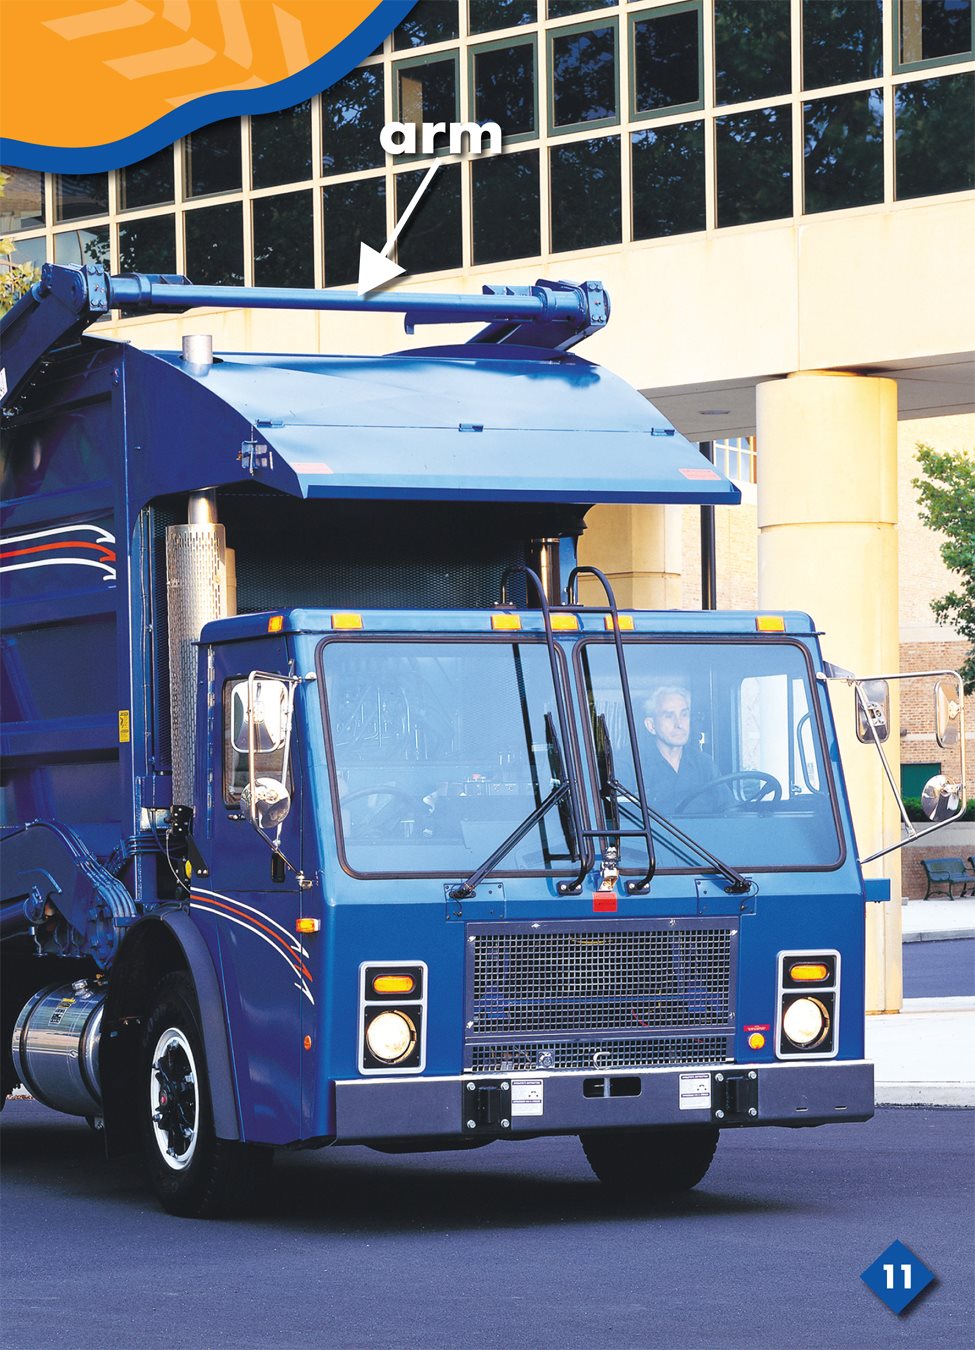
{"x": 376, "y": 824}
{"x": 769, "y": 788}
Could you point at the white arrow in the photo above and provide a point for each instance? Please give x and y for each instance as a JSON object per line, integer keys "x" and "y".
{"x": 375, "y": 269}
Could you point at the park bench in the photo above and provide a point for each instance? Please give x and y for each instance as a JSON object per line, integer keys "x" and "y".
{"x": 947, "y": 872}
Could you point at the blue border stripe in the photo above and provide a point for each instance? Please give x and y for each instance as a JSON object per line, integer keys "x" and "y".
{"x": 214, "y": 107}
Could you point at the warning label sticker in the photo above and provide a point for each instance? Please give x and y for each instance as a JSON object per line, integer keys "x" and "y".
{"x": 695, "y": 1092}
{"x": 527, "y": 1096}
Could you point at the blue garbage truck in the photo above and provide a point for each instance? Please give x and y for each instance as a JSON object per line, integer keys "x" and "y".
{"x": 342, "y": 805}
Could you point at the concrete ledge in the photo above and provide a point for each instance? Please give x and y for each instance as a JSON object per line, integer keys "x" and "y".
{"x": 949, "y": 935}
{"x": 925, "y": 1094}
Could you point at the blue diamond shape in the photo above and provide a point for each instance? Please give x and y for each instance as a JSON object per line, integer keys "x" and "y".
{"x": 897, "y": 1277}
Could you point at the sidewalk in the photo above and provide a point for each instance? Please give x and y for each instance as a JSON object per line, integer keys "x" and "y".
{"x": 937, "y": 920}
{"x": 925, "y": 1054}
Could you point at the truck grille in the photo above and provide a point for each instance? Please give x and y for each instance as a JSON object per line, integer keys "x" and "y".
{"x": 650, "y": 1053}
{"x": 625, "y": 985}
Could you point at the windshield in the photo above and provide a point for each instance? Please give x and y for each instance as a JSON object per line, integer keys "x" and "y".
{"x": 730, "y": 747}
{"x": 439, "y": 751}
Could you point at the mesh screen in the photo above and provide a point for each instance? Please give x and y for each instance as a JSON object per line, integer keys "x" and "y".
{"x": 525, "y": 983}
{"x": 648, "y": 1053}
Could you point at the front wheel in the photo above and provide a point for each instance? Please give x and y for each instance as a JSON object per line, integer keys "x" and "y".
{"x": 650, "y": 1164}
{"x": 192, "y": 1173}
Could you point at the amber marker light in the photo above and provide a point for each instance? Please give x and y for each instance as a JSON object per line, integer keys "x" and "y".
{"x": 307, "y": 925}
{"x": 275, "y": 623}
{"x": 770, "y": 623}
{"x": 506, "y": 622}
{"x": 393, "y": 984}
{"x": 564, "y": 623}
{"x": 307, "y": 1042}
{"x": 812, "y": 972}
{"x": 626, "y": 623}
{"x": 346, "y": 620}
{"x": 756, "y": 1040}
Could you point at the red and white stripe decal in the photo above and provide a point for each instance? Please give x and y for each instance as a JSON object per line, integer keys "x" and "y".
{"x": 62, "y": 545}
{"x": 278, "y": 938}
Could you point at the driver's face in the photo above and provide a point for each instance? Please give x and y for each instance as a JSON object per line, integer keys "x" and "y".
{"x": 672, "y": 723}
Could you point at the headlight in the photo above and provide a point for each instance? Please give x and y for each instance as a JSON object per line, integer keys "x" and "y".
{"x": 805, "y": 1022}
{"x": 391, "y": 1036}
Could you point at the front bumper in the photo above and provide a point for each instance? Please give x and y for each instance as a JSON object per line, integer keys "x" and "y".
{"x": 523, "y": 1105}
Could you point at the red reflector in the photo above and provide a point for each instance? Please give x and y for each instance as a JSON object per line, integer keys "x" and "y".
{"x": 604, "y": 902}
{"x": 699, "y": 473}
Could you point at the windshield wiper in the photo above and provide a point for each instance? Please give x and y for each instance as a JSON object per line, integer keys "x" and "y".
{"x": 559, "y": 794}
{"x": 611, "y": 791}
{"x": 739, "y": 885}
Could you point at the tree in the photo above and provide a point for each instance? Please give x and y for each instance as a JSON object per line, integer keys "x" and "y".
{"x": 946, "y": 498}
{"x": 15, "y": 278}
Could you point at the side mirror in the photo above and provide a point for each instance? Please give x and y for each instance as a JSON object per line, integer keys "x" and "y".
{"x": 940, "y": 798}
{"x": 947, "y": 709}
{"x": 271, "y": 803}
{"x": 265, "y": 702}
{"x": 873, "y": 711}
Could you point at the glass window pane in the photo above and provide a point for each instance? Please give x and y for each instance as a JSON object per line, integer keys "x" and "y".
{"x": 842, "y": 41}
{"x": 505, "y": 206}
{"x": 935, "y": 147}
{"x": 754, "y": 164}
{"x": 354, "y": 212}
{"x": 667, "y": 60}
{"x": 30, "y": 250}
{"x": 586, "y": 207}
{"x": 352, "y": 118}
{"x": 564, "y": 9}
{"x": 584, "y": 76}
{"x": 431, "y": 240}
{"x": 668, "y": 180}
{"x": 148, "y": 183}
{"x": 22, "y": 203}
{"x": 429, "y": 21}
{"x": 75, "y": 248}
{"x": 215, "y": 245}
{"x": 211, "y": 159}
{"x": 284, "y": 242}
{"x": 428, "y": 93}
{"x": 844, "y": 151}
{"x": 931, "y": 30}
{"x": 80, "y": 194}
{"x": 484, "y": 16}
{"x": 281, "y": 146}
{"x": 147, "y": 245}
{"x": 504, "y": 87}
{"x": 752, "y": 54}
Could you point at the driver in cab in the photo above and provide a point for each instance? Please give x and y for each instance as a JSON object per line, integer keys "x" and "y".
{"x": 675, "y": 774}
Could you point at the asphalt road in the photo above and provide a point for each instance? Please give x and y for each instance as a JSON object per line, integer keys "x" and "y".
{"x": 939, "y": 969}
{"x": 511, "y": 1246}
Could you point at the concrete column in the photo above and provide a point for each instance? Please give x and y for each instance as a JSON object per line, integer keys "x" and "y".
{"x": 827, "y": 517}
{"x": 639, "y": 549}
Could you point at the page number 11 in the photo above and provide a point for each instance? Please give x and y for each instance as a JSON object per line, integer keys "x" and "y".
{"x": 889, "y": 1272}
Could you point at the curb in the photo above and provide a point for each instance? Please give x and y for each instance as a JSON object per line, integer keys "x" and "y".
{"x": 951, "y": 934}
{"x": 925, "y": 1094}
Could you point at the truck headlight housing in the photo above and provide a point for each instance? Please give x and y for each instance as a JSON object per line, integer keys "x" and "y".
{"x": 807, "y": 1003}
{"x": 392, "y": 1016}
{"x": 805, "y": 1022}
{"x": 390, "y": 1036}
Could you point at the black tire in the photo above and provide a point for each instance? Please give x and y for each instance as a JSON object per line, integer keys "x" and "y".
{"x": 192, "y": 1173}
{"x": 650, "y": 1164}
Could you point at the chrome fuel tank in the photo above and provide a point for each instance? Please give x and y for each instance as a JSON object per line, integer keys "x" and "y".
{"x": 55, "y": 1047}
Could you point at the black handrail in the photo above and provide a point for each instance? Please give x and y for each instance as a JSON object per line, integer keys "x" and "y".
{"x": 633, "y": 887}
